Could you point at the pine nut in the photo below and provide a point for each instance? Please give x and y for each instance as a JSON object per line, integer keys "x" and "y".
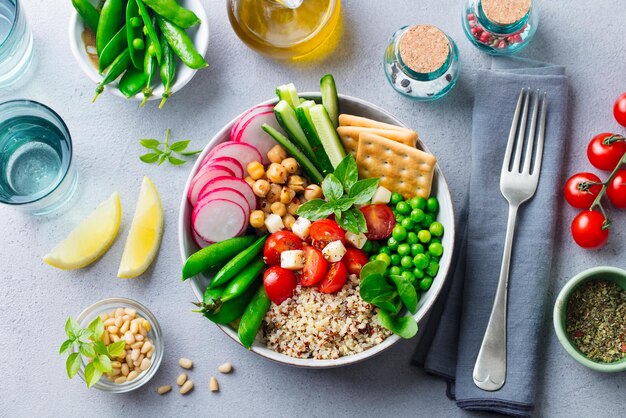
{"x": 125, "y": 327}
{"x": 213, "y": 385}
{"x": 110, "y": 321}
{"x": 146, "y": 346}
{"x": 132, "y": 375}
{"x": 119, "y": 321}
{"x": 114, "y": 338}
{"x": 112, "y": 329}
{"x": 146, "y": 325}
{"x": 115, "y": 371}
{"x": 162, "y": 390}
{"x": 125, "y": 369}
{"x": 185, "y": 363}
{"x": 131, "y": 312}
{"x": 105, "y": 338}
{"x": 140, "y": 359}
{"x": 225, "y": 368}
{"x": 139, "y": 337}
{"x": 134, "y": 355}
{"x": 129, "y": 337}
{"x": 116, "y": 364}
{"x": 150, "y": 353}
{"x": 186, "y": 387}
{"x": 126, "y": 318}
{"x": 181, "y": 379}
{"x": 138, "y": 344}
{"x": 128, "y": 359}
{"x": 134, "y": 327}
{"x": 145, "y": 364}
{"x": 119, "y": 312}
{"x": 143, "y": 332}
{"x": 120, "y": 380}
{"x": 104, "y": 316}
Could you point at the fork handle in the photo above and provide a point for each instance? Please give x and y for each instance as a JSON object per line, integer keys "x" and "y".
{"x": 490, "y": 368}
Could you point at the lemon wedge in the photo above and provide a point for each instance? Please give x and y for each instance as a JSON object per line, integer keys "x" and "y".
{"x": 90, "y": 239}
{"x": 144, "y": 237}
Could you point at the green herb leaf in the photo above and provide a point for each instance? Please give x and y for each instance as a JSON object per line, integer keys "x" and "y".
{"x": 337, "y": 215}
{"x": 100, "y": 348}
{"x": 150, "y": 143}
{"x": 150, "y": 158}
{"x": 87, "y": 350}
{"x": 162, "y": 159}
{"x": 71, "y": 327}
{"x": 404, "y": 326}
{"x": 115, "y": 349}
{"x": 344, "y": 204}
{"x": 67, "y": 345}
{"x": 363, "y": 190}
{"x": 310, "y": 209}
{"x": 373, "y": 267}
{"x": 386, "y": 302}
{"x": 179, "y": 146}
{"x": 84, "y": 335}
{"x": 72, "y": 364}
{"x": 332, "y": 188}
{"x": 407, "y": 292}
{"x": 347, "y": 172}
{"x": 350, "y": 221}
{"x": 97, "y": 328}
{"x": 326, "y": 209}
{"x": 92, "y": 374}
{"x": 190, "y": 153}
{"x": 175, "y": 161}
{"x": 102, "y": 363}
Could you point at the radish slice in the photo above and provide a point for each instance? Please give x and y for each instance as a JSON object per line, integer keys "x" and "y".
{"x": 205, "y": 175}
{"x": 240, "y": 151}
{"x": 232, "y": 183}
{"x": 234, "y": 132}
{"x": 252, "y": 133}
{"x": 230, "y": 163}
{"x": 210, "y": 222}
{"x": 200, "y": 243}
{"x": 226, "y": 193}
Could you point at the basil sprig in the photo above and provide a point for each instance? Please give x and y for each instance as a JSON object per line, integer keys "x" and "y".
{"x": 342, "y": 190}
{"x": 159, "y": 156}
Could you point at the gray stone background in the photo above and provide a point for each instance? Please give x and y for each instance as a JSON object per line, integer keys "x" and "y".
{"x": 589, "y": 38}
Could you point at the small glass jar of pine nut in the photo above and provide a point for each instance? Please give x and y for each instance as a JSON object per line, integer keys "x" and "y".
{"x": 131, "y": 321}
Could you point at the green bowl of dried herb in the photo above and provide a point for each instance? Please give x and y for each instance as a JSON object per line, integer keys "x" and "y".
{"x": 590, "y": 318}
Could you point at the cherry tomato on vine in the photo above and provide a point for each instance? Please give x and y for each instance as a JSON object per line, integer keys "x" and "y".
{"x": 616, "y": 190}
{"x": 277, "y": 243}
{"x": 588, "y": 229}
{"x": 619, "y": 110}
{"x": 279, "y": 284}
{"x": 605, "y": 150}
{"x": 580, "y": 190}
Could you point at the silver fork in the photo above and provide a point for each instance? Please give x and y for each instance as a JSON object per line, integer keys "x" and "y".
{"x": 518, "y": 183}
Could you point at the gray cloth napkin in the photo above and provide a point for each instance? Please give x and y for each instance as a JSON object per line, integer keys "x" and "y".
{"x": 457, "y": 323}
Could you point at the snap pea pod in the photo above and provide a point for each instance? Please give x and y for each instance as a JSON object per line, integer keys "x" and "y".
{"x": 109, "y": 23}
{"x": 134, "y": 34}
{"x": 88, "y": 14}
{"x": 132, "y": 82}
{"x": 215, "y": 255}
{"x": 149, "y": 28}
{"x": 167, "y": 69}
{"x": 236, "y": 286}
{"x": 149, "y": 69}
{"x": 118, "y": 66}
{"x": 238, "y": 263}
{"x": 232, "y": 309}
{"x": 174, "y": 12}
{"x": 112, "y": 50}
{"x": 182, "y": 44}
{"x": 253, "y": 317}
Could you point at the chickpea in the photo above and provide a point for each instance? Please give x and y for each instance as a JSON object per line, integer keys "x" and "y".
{"x": 256, "y": 170}
{"x": 277, "y": 154}
{"x": 265, "y": 206}
{"x": 293, "y": 206}
{"x": 296, "y": 183}
{"x": 290, "y": 164}
{"x": 313, "y": 191}
{"x": 274, "y": 194}
{"x": 250, "y": 181}
{"x": 288, "y": 221}
{"x": 261, "y": 188}
{"x": 279, "y": 208}
{"x": 276, "y": 173}
{"x": 257, "y": 218}
{"x": 287, "y": 195}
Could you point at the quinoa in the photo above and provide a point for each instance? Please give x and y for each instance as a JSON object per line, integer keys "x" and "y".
{"x": 317, "y": 325}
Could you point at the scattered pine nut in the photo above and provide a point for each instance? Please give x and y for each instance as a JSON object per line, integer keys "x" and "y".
{"x": 186, "y": 387}
{"x": 181, "y": 379}
{"x": 164, "y": 389}
{"x": 225, "y": 368}
{"x": 185, "y": 363}
{"x": 213, "y": 385}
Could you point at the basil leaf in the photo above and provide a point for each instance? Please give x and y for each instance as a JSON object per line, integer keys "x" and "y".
{"x": 326, "y": 209}
{"x": 347, "y": 172}
{"x": 161, "y": 159}
{"x": 175, "y": 161}
{"x": 404, "y": 326}
{"x": 100, "y": 348}
{"x": 84, "y": 335}
{"x": 332, "y": 188}
{"x": 71, "y": 327}
{"x": 310, "y": 209}
{"x": 67, "y": 344}
{"x": 407, "y": 292}
{"x": 363, "y": 190}
{"x": 149, "y": 158}
{"x": 179, "y": 146}
{"x": 150, "y": 143}
{"x": 349, "y": 222}
{"x": 97, "y": 328}
{"x": 360, "y": 220}
{"x": 344, "y": 204}
{"x": 337, "y": 215}
{"x": 103, "y": 363}
{"x": 115, "y": 349}
{"x": 87, "y": 350}
{"x": 190, "y": 153}
{"x": 92, "y": 375}
{"x": 72, "y": 364}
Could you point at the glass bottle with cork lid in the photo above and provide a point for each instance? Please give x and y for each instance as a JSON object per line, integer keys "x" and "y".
{"x": 500, "y": 27}
{"x": 421, "y": 62}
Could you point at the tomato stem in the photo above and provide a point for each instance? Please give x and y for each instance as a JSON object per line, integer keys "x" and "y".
{"x": 598, "y": 200}
{"x": 612, "y": 139}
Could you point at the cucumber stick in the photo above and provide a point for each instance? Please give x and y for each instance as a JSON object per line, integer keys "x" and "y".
{"x": 304, "y": 117}
{"x": 288, "y": 93}
{"x": 287, "y": 119}
{"x": 306, "y": 164}
{"x": 329, "y": 98}
{"x": 327, "y": 134}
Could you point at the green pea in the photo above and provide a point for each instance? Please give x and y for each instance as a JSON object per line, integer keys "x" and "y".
{"x": 404, "y": 249}
{"x": 424, "y": 236}
{"x": 428, "y": 220}
{"x": 403, "y": 208}
{"x": 395, "y": 271}
{"x": 384, "y": 258}
{"x": 135, "y": 22}
{"x": 409, "y": 276}
{"x": 416, "y": 249}
{"x": 406, "y": 261}
{"x": 392, "y": 243}
{"x": 417, "y": 215}
{"x": 138, "y": 43}
{"x": 399, "y": 233}
{"x": 420, "y": 261}
{"x": 373, "y": 257}
{"x": 433, "y": 268}
{"x": 435, "y": 239}
{"x": 368, "y": 247}
{"x": 436, "y": 229}
{"x": 432, "y": 205}
{"x": 385, "y": 250}
{"x": 418, "y": 273}
{"x": 395, "y": 259}
{"x": 411, "y": 238}
{"x": 399, "y": 218}
{"x": 407, "y": 223}
{"x": 435, "y": 249}
{"x": 418, "y": 203}
{"x": 396, "y": 198}
{"x": 425, "y": 283}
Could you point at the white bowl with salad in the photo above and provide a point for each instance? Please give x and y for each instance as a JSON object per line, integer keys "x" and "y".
{"x": 298, "y": 251}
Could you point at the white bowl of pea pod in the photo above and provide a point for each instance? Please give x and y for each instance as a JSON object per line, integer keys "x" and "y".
{"x": 82, "y": 45}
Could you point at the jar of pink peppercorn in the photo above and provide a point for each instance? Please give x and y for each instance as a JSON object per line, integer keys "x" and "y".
{"x": 500, "y": 27}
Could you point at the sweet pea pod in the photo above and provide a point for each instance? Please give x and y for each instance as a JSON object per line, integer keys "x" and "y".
{"x": 238, "y": 263}
{"x": 109, "y": 23}
{"x": 167, "y": 69}
{"x": 253, "y": 317}
{"x": 230, "y": 310}
{"x": 118, "y": 66}
{"x": 174, "y": 12}
{"x": 112, "y": 50}
{"x": 132, "y": 82}
{"x": 134, "y": 34}
{"x": 149, "y": 69}
{"x": 149, "y": 28}
{"x": 88, "y": 14}
{"x": 237, "y": 286}
{"x": 182, "y": 44}
{"x": 215, "y": 255}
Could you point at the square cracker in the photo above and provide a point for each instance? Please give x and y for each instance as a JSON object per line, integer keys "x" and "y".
{"x": 349, "y": 136}
{"x": 401, "y": 168}
{"x": 351, "y": 120}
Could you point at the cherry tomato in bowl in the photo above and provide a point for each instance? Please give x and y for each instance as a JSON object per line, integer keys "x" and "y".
{"x": 616, "y": 190}
{"x": 279, "y": 284}
{"x": 619, "y": 110}
{"x": 582, "y": 189}
{"x": 355, "y": 260}
{"x": 277, "y": 243}
{"x": 605, "y": 150}
{"x": 325, "y": 231}
{"x": 589, "y": 231}
{"x": 335, "y": 278}
{"x": 380, "y": 221}
{"x": 315, "y": 266}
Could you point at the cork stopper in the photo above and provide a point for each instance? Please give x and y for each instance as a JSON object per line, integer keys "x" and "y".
{"x": 505, "y": 12}
{"x": 424, "y": 48}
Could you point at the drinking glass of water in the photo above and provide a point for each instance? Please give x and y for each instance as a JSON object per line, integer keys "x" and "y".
{"x": 36, "y": 169}
{"x": 16, "y": 43}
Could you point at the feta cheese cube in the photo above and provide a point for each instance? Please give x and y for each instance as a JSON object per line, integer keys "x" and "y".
{"x": 334, "y": 251}
{"x": 301, "y": 228}
{"x": 357, "y": 241}
{"x": 292, "y": 259}
{"x": 274, "y": 223}
{"x": 381, "y": 195}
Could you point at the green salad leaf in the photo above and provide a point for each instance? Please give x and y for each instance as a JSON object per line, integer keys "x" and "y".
{"x": 404, "y": 326}
{"x": 159, "y": 155}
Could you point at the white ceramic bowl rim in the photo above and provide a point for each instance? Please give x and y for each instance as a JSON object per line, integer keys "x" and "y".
{"x": 443, "y": 195}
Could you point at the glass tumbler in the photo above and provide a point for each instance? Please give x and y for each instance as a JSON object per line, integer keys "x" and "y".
{"x": 16, "y": 43}
{"x": 36, "y": 168}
